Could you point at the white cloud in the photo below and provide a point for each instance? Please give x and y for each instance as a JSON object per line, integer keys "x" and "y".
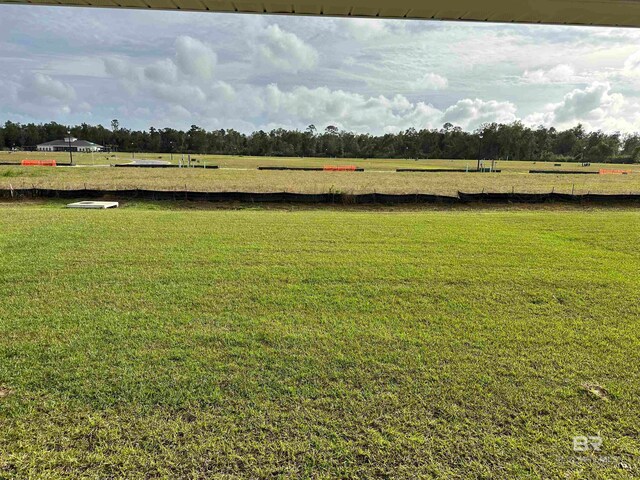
{"x": 216, "y": 71}
{"x": 323, "y": 106}
{"x": 194, "y": 58}
{"x": 626, "y": 77}
{"x": 163, "y": 71}
{"x": 471, "y": 113}
{"x": 215, "y": 103}
{"x": 430, "y": 81}
{"x": 352, "y": 111}
{"x": 38, "y": 95}
{"x": 285, "y": 51}
{"x": 119, "y": 67}
{"x": 42, "y": 87}
{"x": 190, "y": 96}
{"x": 632, "y": 63}
{"x": 364, "y": 29}
{"x": 185, "y": 82}
{"x": 584, "y": 103}
{"x": 559, "y": 74}
{"x": 595, "y": 106}
{"x": 222, "y": 91}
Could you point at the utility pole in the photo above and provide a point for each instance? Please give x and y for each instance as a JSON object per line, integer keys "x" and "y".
{"x": 70, "y": 152}
{"x": 479, "y": 150}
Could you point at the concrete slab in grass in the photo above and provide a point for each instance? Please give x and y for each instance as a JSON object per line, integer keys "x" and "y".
{"x": 94, "y": 205}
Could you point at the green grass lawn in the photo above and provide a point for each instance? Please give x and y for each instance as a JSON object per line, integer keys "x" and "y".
{"x": 176, "y": 343}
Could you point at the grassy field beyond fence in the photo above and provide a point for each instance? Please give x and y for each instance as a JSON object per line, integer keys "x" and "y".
{"x": 241, "y": 174}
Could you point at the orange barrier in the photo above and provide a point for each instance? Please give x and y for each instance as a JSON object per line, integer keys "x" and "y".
{"x": 339, "y": 168}
{"x": 606, "y": 171}
{"x": 38, "y": 163}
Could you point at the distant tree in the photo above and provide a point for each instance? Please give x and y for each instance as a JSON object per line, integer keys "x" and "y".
{"x": 12, "y": 134}
{"x": 197, "y": 140}
{"x": 513, "y": 141}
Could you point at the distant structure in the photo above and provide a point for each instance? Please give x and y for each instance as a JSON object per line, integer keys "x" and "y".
{"x": 69, "y": 144}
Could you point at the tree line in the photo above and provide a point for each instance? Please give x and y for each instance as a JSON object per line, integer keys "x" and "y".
{"x": 513, "y": 141}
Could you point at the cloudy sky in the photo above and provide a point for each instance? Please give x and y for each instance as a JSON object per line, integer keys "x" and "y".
{"x": 250, "y": 72}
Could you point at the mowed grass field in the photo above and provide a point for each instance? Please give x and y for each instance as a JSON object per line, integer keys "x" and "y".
{"x": 147, "y": 342}
{"x": 252, "y": 162}
{"x": 241, "y": 174}
{"x": 230, "y": 161}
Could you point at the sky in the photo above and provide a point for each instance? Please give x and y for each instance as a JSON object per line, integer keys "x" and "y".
{"x": 258, "y": 72}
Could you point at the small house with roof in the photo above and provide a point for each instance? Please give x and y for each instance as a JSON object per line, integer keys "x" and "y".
{"x": 69, "y": 144}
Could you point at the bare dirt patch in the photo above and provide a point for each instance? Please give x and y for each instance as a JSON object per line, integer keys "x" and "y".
{"x": 596, "y": 391}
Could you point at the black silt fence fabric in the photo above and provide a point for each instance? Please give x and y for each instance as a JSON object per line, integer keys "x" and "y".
{"x": 321, "y": 198}
{"x": 443, "y": 170}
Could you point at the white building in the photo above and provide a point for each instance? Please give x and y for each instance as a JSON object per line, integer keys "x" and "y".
{"x": 69, "y": 143}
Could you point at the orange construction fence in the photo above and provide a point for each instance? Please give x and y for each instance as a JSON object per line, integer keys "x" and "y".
{"x": 38, "y": 163}
{"x": 339, "y": 168}
{"x": 606, "y": 171}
